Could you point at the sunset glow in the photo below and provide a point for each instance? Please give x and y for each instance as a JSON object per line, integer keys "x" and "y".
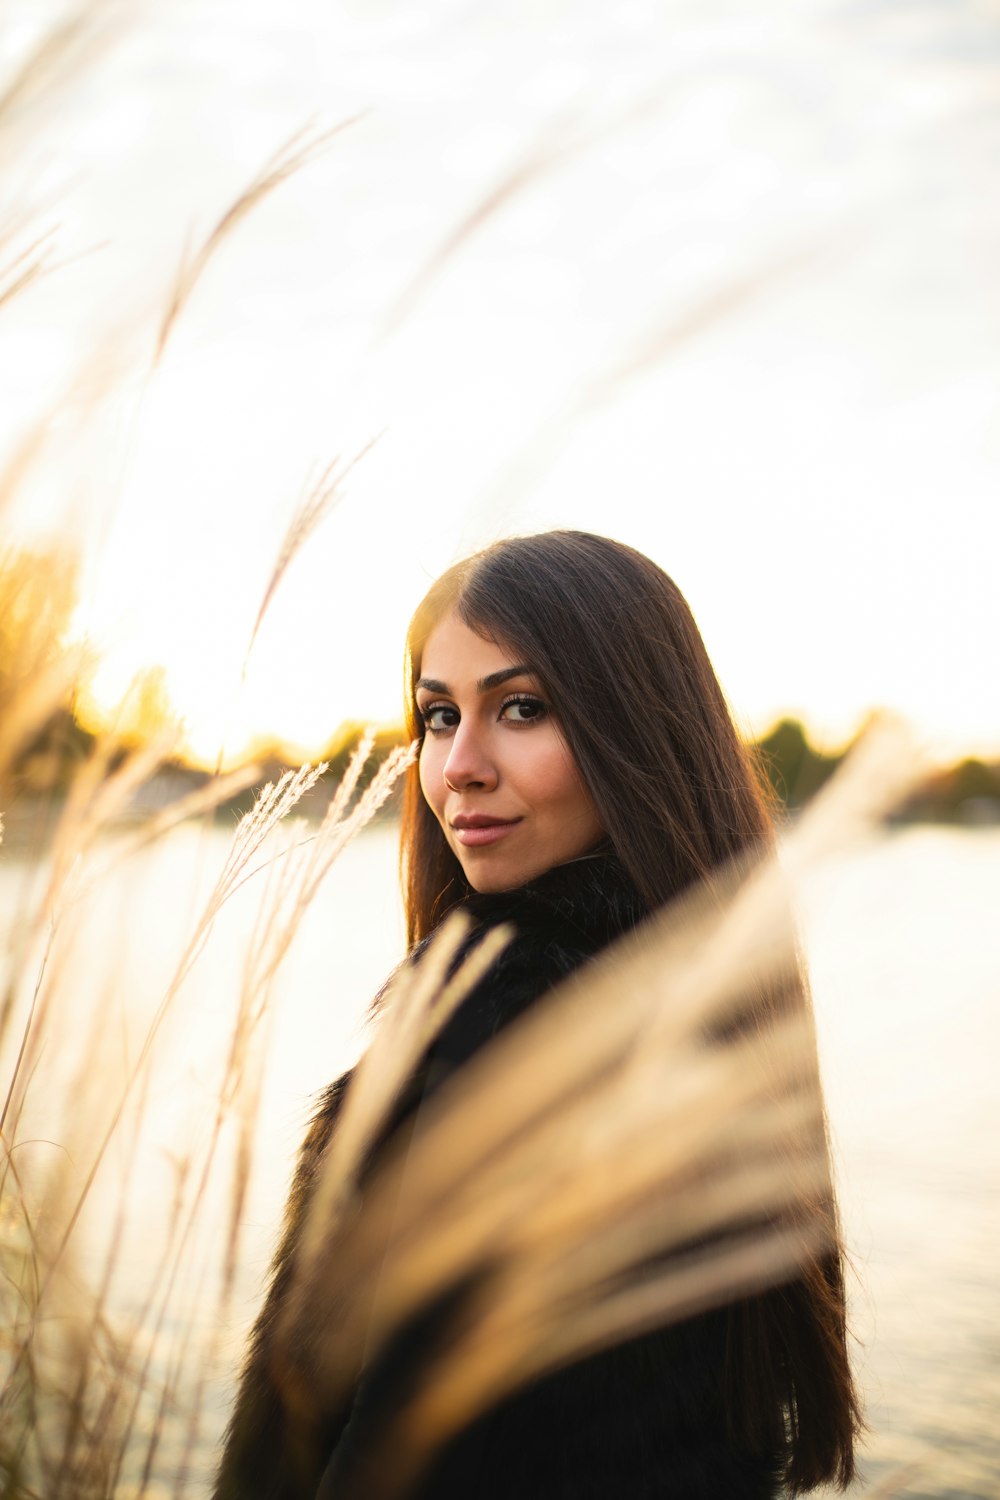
{"x": 743, "y": 323}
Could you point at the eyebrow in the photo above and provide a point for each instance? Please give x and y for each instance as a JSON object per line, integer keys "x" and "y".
{"x": 484, "y": 685}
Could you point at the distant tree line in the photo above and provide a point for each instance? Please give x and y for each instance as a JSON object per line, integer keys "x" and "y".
{"x": 967, "y": 792}
{"x": 792, "y": 768}
{"x": 37, "y": 597}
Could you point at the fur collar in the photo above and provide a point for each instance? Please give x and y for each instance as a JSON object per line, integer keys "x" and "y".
{"x": 588, "y": 902}
{"x": 560, "y": 920}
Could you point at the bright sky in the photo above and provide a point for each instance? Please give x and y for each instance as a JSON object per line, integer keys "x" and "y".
{"x": 742, "y": 311}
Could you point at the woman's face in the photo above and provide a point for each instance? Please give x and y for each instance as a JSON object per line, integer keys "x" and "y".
{"x": 494, "y": 767}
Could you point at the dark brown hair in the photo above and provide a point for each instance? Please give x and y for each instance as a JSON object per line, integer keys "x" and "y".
{"x": 618, "y": 654}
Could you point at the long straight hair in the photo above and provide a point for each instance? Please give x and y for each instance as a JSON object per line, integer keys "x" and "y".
{"x": 624, "y": 668}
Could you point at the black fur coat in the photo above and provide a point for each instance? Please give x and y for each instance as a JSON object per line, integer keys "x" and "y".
{"x": 643, "y": 1421}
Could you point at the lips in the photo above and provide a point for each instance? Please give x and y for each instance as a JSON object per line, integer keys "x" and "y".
{"x": 476, "y": 829}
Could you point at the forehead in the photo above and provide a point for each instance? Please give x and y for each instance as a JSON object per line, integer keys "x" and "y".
{"x": 457, "y": 655}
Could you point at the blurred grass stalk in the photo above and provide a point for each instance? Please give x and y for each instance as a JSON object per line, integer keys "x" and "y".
{"x": 84, "y": 1397}
{"x": 629, "y": 1152}
{"x": 597, "y": 1135}
{"x": 75, "y": 1390}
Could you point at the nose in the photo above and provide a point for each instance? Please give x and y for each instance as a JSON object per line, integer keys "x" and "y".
{"x": 468, "y": 763}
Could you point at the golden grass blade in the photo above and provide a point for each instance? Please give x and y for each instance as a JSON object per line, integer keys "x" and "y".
{"x": 466, "y": 1381}
{"x": 540, "y": 156}
{"x": 623, "y": 1120}
{"x": 560, "y": 140}
{"x": 196, "y": 804}
{"x": 39, "y": 245}
{"x": 272, "y": 805}
{"x": 294, "y": 886}
{"x": 420, "y": 1002}
{"x": 380, "y": 1075}
{"x": 320, "y": 499}
{"x": 302, "y": 881}
{"x": 25, "y": 267}
{"x": 43, "y": 691}
{"x": 274, "y": 802}
{"x": 296, "y": 153}
{"x": 348, "y": 785}
{"x": 97, "y": 795}
{"x": 376, "y": 795}
{"x": 543, "y": 1191}
{"x": 61, "y": 50}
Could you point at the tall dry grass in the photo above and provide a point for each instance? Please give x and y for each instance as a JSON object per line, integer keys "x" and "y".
{"x": 567, "y": 1171}
{"x": 561, "y": 1167}
{"x": 81, "y": 1409}
{"x": 596, "y": 1136}
{"x": 86, "y": 1395}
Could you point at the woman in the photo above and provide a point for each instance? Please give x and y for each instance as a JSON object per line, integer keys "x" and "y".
{"x": 578, "y": 770}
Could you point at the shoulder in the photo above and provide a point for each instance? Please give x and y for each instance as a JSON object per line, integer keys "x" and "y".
{"x": 314, "y": 1144}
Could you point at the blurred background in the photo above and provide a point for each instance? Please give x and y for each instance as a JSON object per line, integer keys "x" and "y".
{"x": 301, "y": 302}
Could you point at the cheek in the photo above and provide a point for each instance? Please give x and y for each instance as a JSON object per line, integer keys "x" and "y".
{"x": 557, "y": 782}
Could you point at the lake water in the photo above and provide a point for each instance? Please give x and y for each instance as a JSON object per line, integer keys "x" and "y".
{"x": 905, "y": 966}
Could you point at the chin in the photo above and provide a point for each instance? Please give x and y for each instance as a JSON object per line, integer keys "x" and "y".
{"x": 490, "y": 882}
{"x": 486, "y": 887}
{"x": 490, "y": 878}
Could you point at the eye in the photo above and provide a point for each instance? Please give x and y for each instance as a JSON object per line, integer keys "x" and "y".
{"x": 522, "y": 709}
{"x": 439, "y": 717}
